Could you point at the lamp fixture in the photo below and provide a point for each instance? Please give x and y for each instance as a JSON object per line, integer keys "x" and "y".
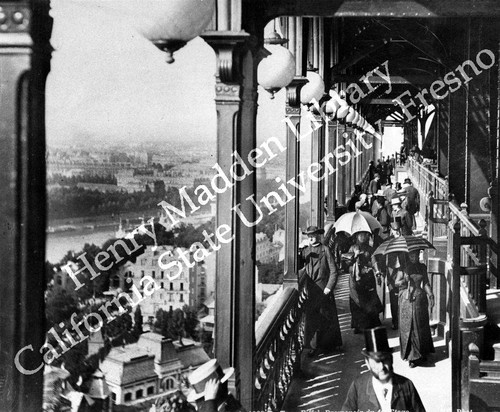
{"x": 171, "y": 24}
{"x": 277, "y": 69}
{"x": 314, "y": 89}
{"x": 350, "y": 115}
{"x": 331, "y": 107}
{"x": 343, "y": 108}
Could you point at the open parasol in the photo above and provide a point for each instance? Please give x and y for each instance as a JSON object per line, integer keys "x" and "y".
{"x": 354, "y": 222}
{"x": 405, "y": 244}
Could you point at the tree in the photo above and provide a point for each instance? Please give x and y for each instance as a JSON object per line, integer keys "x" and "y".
{"x": 119, "y": 330}
{"x": 191, "y": 320}
{"x": 137, "y": 330}
{"x": 271, "y": 273}
{"x": 178, "y": 325}
{"x": 162, "y": 322}
{"x": 59, "y": 307}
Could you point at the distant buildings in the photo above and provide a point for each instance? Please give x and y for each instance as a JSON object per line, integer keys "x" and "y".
{"x": 181, "y": 168}
{"x": 266, "y": 251}
{"x": 152, "y": 367}
{"x": 189, "y": 287}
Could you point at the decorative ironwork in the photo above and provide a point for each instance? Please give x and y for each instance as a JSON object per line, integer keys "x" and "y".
{"x": 280, "y": 339}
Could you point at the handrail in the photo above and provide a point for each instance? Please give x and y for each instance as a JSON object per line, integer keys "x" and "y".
{"x": 279, "y": 340}
{"x": 464, "y": 219}
{"x": 481, "y": 380}
{"x": 426, "y": 180}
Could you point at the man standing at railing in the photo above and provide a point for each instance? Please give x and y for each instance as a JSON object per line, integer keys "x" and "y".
{"x": 322, "y": 324}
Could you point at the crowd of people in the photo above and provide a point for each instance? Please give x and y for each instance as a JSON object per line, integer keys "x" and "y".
{"x": 328, "y": 254}
{"x": 394, "y": 205}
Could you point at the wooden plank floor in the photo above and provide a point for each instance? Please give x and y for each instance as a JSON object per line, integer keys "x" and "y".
{"x": 325, "y": 379}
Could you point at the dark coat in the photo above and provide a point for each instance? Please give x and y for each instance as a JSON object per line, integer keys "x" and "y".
{"x": 361, "y": 396}
{"x": 406, "y": 221}
{"x": 230, "y": 405}
{"x": 322, "y": 325}
{"x": 412, "y": 200}
{"x": 320, "y": 266}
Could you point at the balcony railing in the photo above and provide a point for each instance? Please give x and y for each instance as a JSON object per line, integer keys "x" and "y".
{"x": 433, "y": 198}
{"x": 425, "y": 180}
{"x": 476, "y": 252}
{"x": 279, "y": 342}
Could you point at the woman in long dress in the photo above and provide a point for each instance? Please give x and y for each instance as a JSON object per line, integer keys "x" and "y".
{"x": 415, "y": 296}
{"x": 364, "y": 302}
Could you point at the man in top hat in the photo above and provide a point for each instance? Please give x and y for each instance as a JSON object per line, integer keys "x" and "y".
{"x": 209, "y": 389}
{"x": 381, "y": 389}
{"x": 401, "y": 219}
{"x": 322, "y": 325}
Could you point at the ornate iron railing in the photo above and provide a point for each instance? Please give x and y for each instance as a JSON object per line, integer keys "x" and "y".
{"x": 279, "y": 343}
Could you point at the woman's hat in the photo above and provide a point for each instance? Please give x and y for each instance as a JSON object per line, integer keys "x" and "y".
{"x": 362, "y": 200}
{"x": 377, "y": 344}
{"x": 200, "y": 376}
{"x": 311, "y": 230}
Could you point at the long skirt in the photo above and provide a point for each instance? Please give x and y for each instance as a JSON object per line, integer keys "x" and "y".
{"x": 322, "y": 324}
{"x": 414, "y": 331}
{"x": 364, "y": 302}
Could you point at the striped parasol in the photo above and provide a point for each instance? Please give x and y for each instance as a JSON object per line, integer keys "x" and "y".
{"x": 405, "y": 244}
{"x": 354, "y": 222}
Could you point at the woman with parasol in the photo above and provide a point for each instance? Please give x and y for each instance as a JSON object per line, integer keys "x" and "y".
{"x": 415, "y": 298}
{"x": 364, "y": 302}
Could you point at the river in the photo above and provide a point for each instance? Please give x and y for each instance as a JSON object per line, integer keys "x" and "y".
{"x": 59, "y": 243}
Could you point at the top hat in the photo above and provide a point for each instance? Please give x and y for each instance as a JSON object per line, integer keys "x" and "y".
{"x": 377, "y": 344}
{"x": 395, "y": 200}
{"x": 311, "y": 230}
{"x": 200, "y": 376}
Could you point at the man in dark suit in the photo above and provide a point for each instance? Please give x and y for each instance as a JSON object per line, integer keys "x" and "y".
{"x": 381, "y": 389}
{"x": 412, "y": 199}
{"x": 322, "y": 325}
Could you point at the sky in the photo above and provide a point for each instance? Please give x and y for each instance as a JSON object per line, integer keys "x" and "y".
{"x": 108, "y": 83}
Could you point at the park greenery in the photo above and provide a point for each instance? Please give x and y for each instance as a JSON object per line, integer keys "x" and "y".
{"x": 72, "y": 201}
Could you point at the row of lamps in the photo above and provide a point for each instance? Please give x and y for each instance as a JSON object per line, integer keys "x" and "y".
{"x": 276, "y": 71}
{"x": 171, "y": 24}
